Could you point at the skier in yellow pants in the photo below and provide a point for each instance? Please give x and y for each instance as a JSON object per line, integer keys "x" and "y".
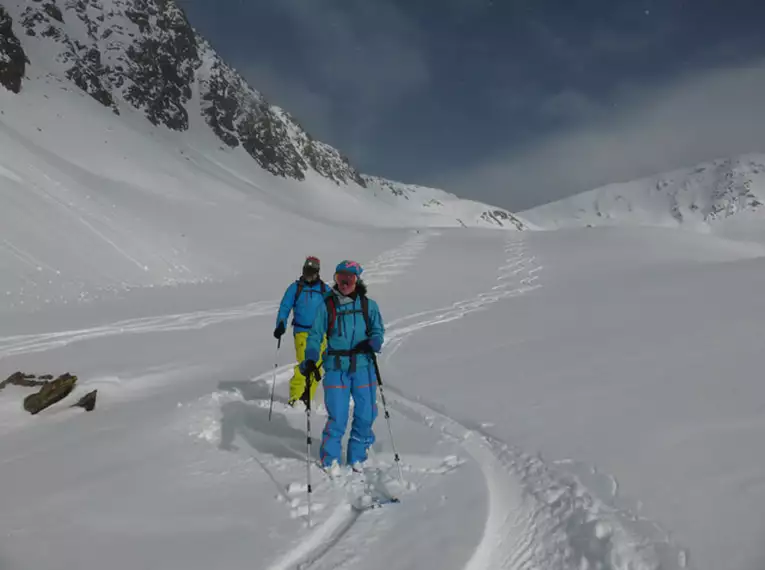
{"x": 302, "y": 298}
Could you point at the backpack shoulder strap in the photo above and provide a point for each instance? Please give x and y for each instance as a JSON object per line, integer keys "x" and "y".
{"x": 300, "y": 285}
{"x": 329, "y": 301}
{"x": 323, "y": 287}
{"x": 365, "y": 311}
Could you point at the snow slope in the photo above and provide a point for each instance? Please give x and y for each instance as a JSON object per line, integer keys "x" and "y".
{"x": 707, "y": 197}
{"x": 81, "y": 186}
{"x": 557, "y": 401}
{"x": 171, "y": 207}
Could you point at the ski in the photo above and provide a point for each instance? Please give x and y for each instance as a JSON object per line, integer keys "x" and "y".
{"x": 373, "y": 496}
{"x": 374, "y": 503}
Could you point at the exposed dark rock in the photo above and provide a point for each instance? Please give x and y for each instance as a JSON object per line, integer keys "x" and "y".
{"x": 240, "y": 115}
{"x": 156, "y": 69}
{"x": 53, "y": 11}
{"x": 92, "y": 77}
{"x": 220, "y": 106}
{"x": 163, "y": 63}
{"x": 502, "y": 217}
{"x": 50, "y": 393}
{"x": 21, "y": 379}
{"x": 88, "y": 401}
{"x": 146, "y": 54}
{"x": 267, "y": 142}
{"x": 13, "y": 60}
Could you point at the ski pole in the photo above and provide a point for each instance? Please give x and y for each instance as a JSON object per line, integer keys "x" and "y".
{"x": 273, "y": 384}
{"x": 387, "y": 417}
{"x": 307, "y": 401}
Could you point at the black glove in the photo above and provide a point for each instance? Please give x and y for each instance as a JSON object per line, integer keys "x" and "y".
{"x": 279, "y": 331}
{"x": 308, "y": 368}
{"x": 363, "y": 346}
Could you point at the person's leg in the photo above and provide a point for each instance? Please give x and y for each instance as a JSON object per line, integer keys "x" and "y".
{"x": 337, "y": 399}
{"x": 297, "y": 383}
{"x": 364, "y": 392}
{"x": 320, "y": 366}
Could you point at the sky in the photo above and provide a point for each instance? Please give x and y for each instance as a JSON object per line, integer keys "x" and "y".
{"x": 512, "y": 102}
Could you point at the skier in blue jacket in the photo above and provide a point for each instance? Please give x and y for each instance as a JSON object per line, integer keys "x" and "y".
{"x": 302, "y": 297}
{"x": 351, "y": 337}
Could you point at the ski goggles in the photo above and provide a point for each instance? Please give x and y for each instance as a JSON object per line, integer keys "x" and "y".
{"x": 345, "y": 280}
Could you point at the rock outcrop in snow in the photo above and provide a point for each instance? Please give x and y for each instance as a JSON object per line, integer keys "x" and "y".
{"x": 701, "y": 196}
{"x": 145, "y": 53}
{"x": 433, "y": 199}
{"x": 13, "y": 60}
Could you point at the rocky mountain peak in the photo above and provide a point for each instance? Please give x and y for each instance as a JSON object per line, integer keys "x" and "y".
{"x": 145, "y": 54}
{"x": 13, "y": 60}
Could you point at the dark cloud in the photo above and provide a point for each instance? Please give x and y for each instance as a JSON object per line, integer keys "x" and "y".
{"x": 513, "y": 101}
{"x": 640, "y": 132}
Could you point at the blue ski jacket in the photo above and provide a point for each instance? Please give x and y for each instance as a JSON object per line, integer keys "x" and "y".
{"x": 347, "y": 331}
{"x": 304, "y": 307}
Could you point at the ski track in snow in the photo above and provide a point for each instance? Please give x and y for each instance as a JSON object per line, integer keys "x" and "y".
{"x": 22, "y": 344}
{"x": 393, "y": 262}
{"x": 501, "y": 546}
{"x": 538, "y": 517}
{"x": 380, "y": 269}
{"x": 542, "y": 518}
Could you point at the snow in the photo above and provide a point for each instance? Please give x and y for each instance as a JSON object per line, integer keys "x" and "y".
{"x": 594, "y": 428}
{"x": 700, "y": 198}
{"x": 579, "y": 398}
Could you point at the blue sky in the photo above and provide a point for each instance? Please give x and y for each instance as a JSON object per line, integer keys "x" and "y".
{"x": 511, "y": 102}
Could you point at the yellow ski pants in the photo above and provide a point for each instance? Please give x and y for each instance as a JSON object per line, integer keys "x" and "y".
{"x": 297, "y": 383}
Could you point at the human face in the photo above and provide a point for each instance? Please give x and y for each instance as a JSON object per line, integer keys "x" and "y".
{"x": 310, "y": 276}
{"x": 346, "y": 282}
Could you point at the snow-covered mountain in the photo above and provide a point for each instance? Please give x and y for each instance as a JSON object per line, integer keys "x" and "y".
{"x": 121, "y": 128}
{"x": 416, "y": 197}
{"x": 702, "y": 197}
{"x": 144, "y": 55}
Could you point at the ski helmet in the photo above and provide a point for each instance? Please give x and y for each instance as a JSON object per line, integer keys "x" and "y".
{"x": 311, "y": 267}
{"x": 349, "y": 266}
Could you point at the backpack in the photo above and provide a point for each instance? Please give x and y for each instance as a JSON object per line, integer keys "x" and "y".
{"x": 300, "y": 285}
{"x": 332, "y": 313}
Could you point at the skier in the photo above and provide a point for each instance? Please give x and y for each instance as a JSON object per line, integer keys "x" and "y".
{"x": 302, "y": 297}
{"x": 354, "y": 329}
